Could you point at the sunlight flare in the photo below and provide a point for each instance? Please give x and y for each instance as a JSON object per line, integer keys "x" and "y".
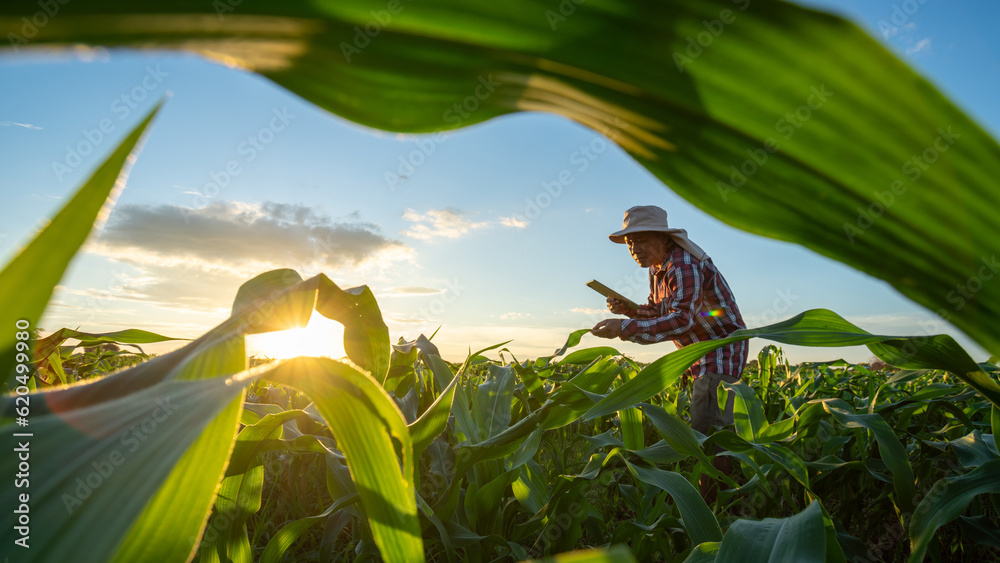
{"x": 320, "y": 337}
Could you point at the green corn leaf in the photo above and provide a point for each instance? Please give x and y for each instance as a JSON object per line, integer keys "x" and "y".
{"x": 429, "y": 514}
{"x": 530, "y": 488}
{"x": 366, "y": 338}
{"x": 27, "y": 282}
{"x": 48, "y": 345}
{"x": 890, "y": 448}
{"x": 434, "y": 420}
{"x": 781, "y": 455}
{"x": 614, "y": 554}
{"x": 572, "y": 340}
{"x": 972, "y": 451}
{"x": 902, "y": 376}
{"x": 631, "y": 421}
{"x": 524, "y": 452}
{"x": 588, "y": 355}
{"x": 401, "y": 361}
{"x": 281, "y": 541}
{"x": 532, "y": 383}
{"x": 105, "y": 462}
{"x": 365, "y": 421}
{"x": 748, "y": 414}
{"x": 493, "y": 401}
{"x": 698, "y": 519}
{"x": 777, "y": 431}
{"x": 816, "y": 327}
{"x": 800, "y": 538}
{"x": 946, "y": 500}
{"x": 681, "y": 437}
{"x": 704, "y": 553}
{"x": 595, "y": 378}
{"x": 483, "y": 507}
{"x": 980, "y": 530}
{"x": 239, "y": 494}
{"x": 660, "y": 453}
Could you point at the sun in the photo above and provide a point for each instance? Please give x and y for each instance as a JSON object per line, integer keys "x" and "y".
{"x": 320, "y": 337}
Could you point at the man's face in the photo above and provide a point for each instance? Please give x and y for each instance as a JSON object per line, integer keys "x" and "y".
{"x": 647, "y": 248}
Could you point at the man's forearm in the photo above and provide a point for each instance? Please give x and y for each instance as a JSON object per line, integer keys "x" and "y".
{"x": 658, "y": 329}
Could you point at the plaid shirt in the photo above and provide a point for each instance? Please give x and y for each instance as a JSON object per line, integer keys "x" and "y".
{"x": 690, "y": 301}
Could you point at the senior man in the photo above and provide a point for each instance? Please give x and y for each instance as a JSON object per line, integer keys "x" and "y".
{"x": 689, "y": 301}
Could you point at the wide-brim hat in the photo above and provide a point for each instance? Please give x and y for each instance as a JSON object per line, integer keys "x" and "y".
{"x": 650, "y": 218}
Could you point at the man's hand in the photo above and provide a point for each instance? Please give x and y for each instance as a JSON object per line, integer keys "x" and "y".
{"x": 617, "y": 306}
{"x": 608, "y": 328}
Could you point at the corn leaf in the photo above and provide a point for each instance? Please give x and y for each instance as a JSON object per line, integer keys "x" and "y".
{"x": 946, "y": 500}
{"x": 366, "y": 423}
{"x": 796, "y": 538}
{"x": 698, "y": 519}
{"x": 614, "y": 554}
{"x": 27, "y": 282}
{"x": 286, "y": 536}
{"x": 816, "y": 327}
{"x": 105, "y": 462}
{"x": 46, "y": 346}
{"x": 434, "y": 420}
{"x": 890, "y": 448}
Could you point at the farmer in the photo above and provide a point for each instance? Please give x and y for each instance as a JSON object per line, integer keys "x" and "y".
{"x": 689, "y": 301}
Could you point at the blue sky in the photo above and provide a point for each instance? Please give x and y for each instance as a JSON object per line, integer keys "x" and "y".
{"x": 447, "y": 246}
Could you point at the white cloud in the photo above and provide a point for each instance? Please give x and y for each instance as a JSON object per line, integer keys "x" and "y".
{"x": 196, "y": 259}
{"x": 589, "y": 311}
{"x": 513, "y": 222}
{"x": 513, "y": 316}
{"x": 921, "y": 46}
{"x": 16, "y": 124}
{"x": 440, "y": 223}
{"x": 408, "y": 291}
{"x": 239, "y": 237}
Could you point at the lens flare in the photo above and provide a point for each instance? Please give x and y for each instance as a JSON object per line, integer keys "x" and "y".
{"x": 321, "y": 337}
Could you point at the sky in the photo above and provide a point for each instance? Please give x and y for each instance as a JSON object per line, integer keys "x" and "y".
{"x": 453, "y": 242}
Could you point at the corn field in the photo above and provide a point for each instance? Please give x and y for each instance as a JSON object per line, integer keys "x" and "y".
{"x": 395, "y": 454}
{"x": 414, "y": 458}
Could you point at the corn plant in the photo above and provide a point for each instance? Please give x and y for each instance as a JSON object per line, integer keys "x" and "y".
{"x": 486, "y": 460}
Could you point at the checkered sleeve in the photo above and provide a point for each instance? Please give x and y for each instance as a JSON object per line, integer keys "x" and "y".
{"x": 676, "y": 312}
